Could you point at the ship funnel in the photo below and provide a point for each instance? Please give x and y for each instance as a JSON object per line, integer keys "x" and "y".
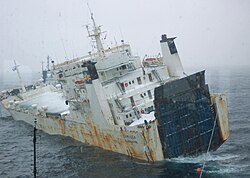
{"x": 170, "y": 56}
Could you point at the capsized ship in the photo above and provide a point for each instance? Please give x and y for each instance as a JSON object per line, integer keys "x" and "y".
{"x": 149, "y": 110}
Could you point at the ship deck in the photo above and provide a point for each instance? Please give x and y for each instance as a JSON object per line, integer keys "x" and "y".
{"x": 52, "y": 101}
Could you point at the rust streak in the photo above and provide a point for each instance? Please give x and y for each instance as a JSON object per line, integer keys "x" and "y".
{"x": 62, "y": 126}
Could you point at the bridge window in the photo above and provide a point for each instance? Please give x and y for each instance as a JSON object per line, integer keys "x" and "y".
{"x": 132, "y": 101}
{"x": 150, "y": 77}
{"x": 139, "y": 80}
{"x": 124, "y": 67}
{"x": 149, "y": 94}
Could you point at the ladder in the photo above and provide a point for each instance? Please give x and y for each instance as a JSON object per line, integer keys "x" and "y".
{"x": 118, "y": 103}
{"x": 157, "y": 75}
{"x": 118, "y": 83}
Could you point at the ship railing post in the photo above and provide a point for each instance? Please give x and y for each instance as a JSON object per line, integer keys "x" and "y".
{"x": 1, "y": 110}
{"x": 34, "y": 144}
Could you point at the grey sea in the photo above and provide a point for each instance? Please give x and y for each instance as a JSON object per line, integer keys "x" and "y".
{"x": 59, "y": 156}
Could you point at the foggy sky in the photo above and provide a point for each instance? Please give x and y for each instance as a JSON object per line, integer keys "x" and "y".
{"x": 209, "y": 33}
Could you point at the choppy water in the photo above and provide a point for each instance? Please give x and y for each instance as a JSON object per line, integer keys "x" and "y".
{"x": 63, "y": 157}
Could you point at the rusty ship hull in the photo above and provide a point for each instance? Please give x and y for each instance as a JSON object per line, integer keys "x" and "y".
{"x": 151, "y": 142}
{"x": 134, "y": 142}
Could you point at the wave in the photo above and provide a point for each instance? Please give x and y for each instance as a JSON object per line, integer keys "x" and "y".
{"x": 216, "y": 164}
{"x": 209, "y": 157}
{"x": 228, "y": 169}
{"x": 6, "y": 117}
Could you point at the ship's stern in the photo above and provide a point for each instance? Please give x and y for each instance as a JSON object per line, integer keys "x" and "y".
{"x": 189, "y": 117}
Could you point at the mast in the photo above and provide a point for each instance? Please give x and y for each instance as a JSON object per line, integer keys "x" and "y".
{"x": 97, "y": 35}
{"x": 48, "y": 63}
{"x": 19, "y": 76}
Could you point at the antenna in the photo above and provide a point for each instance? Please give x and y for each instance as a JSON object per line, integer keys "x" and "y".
{"x": 48, "y": 63}
{"x": 121, "y": 33}
{"x": 92, "y": 16}
{"x": 87, "y": 27}
{"x": 115, "y": 42}
{"x": 64, "y": 49}
{"x": 19, "y": 76}
{"x": 42, "y": 66}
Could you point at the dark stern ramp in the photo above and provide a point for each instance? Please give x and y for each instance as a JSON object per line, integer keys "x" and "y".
{"x": 186, "y": 116}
